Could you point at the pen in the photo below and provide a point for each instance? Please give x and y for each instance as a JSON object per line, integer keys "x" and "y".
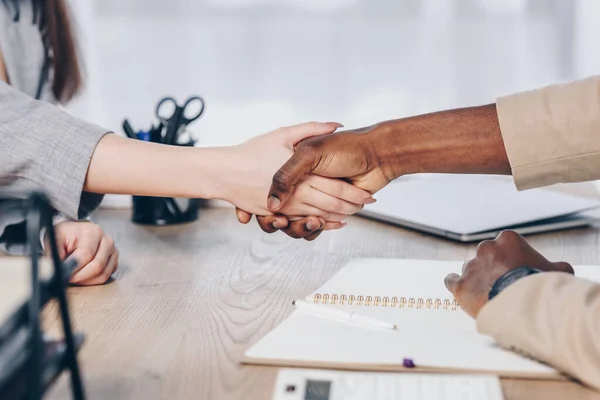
{"x": 343, "y": 315}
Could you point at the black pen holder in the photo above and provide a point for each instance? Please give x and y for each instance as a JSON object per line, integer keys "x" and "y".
{"x": 164, "y": 210}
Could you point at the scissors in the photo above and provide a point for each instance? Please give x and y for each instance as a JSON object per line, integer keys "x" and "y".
{"x": 177, "y": 117}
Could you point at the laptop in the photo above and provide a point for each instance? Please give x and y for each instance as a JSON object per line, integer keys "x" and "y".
{"x": 470, "y": 208}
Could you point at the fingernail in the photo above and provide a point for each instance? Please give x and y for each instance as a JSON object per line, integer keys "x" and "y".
{"x": 279, "y": 224}
{"x": 336, "y": 124}
{"x": 341, "y": 225}
{"x": 312, "y": 226}
{"x": 370, "y": 200}
{"x": 273, "y": 203}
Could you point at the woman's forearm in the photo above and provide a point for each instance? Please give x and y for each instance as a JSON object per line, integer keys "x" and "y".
{"x": 125, "y": 166}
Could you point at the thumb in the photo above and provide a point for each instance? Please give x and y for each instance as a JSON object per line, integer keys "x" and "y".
{"x": 451, "y": 282}
{"x": 564, "y": 267}
{"x": 297, "y": 133}
{"x": 285, "y": 180}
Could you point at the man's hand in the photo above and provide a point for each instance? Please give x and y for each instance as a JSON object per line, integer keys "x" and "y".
{"x": 463, "y": 141}
{"x": 307, "y": 228}
{"x": 351, "y": 155}
{"x": 493, "y": 259}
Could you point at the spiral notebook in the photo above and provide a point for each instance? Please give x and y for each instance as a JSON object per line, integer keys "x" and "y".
{"x": 434, "y": 333}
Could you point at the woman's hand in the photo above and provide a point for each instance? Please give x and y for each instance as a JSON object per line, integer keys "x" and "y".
{"x": 254, "y": 162}
{"x": 95, "y": 252}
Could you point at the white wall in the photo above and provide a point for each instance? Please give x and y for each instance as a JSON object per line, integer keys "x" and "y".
{"x": 261, "y": 64}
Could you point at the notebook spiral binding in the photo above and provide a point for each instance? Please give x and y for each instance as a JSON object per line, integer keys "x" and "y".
{"x": 377, "y": 301}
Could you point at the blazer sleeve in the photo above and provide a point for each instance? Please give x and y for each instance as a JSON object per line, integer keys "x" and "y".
{"x": 552, "y": 135}
{"x": 45, "y": 148}
{"x": 553, "y": 317}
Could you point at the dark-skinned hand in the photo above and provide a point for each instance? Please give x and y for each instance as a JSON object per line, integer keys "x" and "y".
{"x": 493, "y": 259}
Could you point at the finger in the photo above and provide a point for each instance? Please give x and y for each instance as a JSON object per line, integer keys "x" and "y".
{"x": 304, "y": 227}
{"x": 272, "y": 223}
{"x": 95, "y": 267}
{"x": 340, "y": 189}
{"x": 330, "y": 226}
{"x": 302, "y": 210}
{"x": 331, "y": 204}
{"x": 86, "y": 247}
{"x": 465, "y": 266}
{"x": 243, "y": 216}
{"x": 310, "y": 196}
{"x": 313, "y": 235}
{"x": 285, "y": 180}
{"x": 451, "y": 282}
{"x": 564, "y": 267}
{"x": 111, "y": 267}
{"x": 297, "y": 133}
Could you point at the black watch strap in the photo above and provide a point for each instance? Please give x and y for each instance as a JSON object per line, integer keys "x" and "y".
{"x": 509, "y": 278}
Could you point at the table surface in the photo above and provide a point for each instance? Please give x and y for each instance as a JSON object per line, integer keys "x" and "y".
{"x": 189, "y": 300}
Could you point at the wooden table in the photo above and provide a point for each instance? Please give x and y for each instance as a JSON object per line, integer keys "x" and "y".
{"x": 189, "y": 300}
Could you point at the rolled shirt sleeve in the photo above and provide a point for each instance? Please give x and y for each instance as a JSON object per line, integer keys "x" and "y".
{"x": 45, "y": 148}
{"x": 552, "y": 134}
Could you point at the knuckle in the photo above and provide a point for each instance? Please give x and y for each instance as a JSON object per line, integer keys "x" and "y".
{"x": 96, "y": 230}
{"x": 507, "y": 235}
{"x": 485, "y": 246}
{"x": 294, "y": 232}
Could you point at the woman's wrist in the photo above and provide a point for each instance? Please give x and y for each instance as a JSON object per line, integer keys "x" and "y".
{"x": 220, "y": 170}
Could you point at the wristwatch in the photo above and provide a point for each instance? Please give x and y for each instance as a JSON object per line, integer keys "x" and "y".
{"x": 509, "y": 278}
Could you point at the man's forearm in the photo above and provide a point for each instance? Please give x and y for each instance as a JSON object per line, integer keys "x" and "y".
{"x": 466, "y": 140}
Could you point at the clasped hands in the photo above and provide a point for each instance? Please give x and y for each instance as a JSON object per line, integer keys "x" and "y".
{"x": 305, "y": 198}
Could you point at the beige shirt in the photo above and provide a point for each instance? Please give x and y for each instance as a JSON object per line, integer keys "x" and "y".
{"x": 552, "y": 135}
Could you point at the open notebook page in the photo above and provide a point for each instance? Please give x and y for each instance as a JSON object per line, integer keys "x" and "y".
{"x": 432, "y": 339}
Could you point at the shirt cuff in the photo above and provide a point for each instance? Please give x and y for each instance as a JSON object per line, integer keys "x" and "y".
{"x": 547, "y": 133}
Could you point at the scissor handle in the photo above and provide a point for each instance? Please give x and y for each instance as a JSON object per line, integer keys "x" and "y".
{"x": 192, "y": 109}
{"x": 166, "y": 108}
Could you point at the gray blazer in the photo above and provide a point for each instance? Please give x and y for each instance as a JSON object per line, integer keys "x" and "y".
{"x": 41, "y": 146}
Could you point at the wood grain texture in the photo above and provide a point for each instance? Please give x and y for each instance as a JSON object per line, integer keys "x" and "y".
{"x": 189, "y": 300}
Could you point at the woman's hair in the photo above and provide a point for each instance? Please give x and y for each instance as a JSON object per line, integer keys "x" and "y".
{"x": 61, "y": 48}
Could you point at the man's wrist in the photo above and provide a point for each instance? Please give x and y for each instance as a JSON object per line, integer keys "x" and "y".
{"x": 387, "y": 142}
{"x": 509, "y": 278}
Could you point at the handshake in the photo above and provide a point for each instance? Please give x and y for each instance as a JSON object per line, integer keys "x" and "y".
{"x": 322, "y": 176}
{"x": 325, "y": 177}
